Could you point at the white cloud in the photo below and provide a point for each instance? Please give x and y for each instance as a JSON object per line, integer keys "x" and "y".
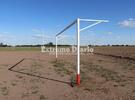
{"x": 3, "y": 35}
{"x": 6, "y": 35}
{"x": 130, "y": 23}
{"x": 7, "y": 38}
{"x": 37, "y": 35}
{"x": 109, "y": 33}
{"x": 42, "y": 36}
{"x": 39, "y": 31}
{"x": 64, "y": 36}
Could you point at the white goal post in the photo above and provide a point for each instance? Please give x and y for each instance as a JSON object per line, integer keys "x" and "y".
{"x": 78, "y": 22}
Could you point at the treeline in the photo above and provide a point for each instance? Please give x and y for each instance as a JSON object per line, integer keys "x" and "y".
{"x": 116, "y": 45}
{"x": 4, "y": 45}
{"x": 36, "y": 45}
{"x": 66, "y": 45}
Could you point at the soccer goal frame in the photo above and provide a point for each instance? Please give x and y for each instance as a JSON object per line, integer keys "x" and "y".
{"x": 78, "y": 23}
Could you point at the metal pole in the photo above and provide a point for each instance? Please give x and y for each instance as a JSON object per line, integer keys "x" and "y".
{"x": 78, "y": 52}
{"x": 43, "y": 41}
{"x": 56, "y": 47}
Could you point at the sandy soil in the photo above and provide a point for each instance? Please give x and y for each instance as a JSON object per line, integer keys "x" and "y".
{"x": 117, "y": 51}
{"x": 40, "y": 77}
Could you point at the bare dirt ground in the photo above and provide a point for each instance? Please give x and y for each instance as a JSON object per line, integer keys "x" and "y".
{"x": 128, "y": 52}
{"x": 39, "y": 77}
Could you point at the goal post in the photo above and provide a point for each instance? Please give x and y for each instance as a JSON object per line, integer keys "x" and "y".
{"x": 78, "y": 52}
{"x": 78, "y": 23}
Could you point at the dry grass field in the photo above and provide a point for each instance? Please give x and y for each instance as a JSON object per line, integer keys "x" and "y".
{"x": 32, "y": 75}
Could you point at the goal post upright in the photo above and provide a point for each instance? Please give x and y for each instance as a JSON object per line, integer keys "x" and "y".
{"x": 78, "y": 52}
{"x": 56, "y": 51}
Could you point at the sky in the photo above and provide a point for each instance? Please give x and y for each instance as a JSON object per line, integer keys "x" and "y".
{"x": 25, "y": 21}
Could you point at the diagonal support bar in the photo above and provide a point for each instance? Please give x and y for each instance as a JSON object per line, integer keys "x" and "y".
{"x": 93, "y": 20}
{"x": 98, "y": 21}
{"x": 66, "y": 28}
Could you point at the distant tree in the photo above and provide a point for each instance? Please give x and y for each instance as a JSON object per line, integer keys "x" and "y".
{"x": 116, "y": 45}
{"x": 50, "y": 44}
{"x": 1, "y": 44}
{"x": 126, "y": 45}
{"x": 108, "y": 45}
{"x": 89, "y": 45}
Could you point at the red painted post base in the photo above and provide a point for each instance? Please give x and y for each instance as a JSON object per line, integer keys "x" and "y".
{"x": 78, "y": 79}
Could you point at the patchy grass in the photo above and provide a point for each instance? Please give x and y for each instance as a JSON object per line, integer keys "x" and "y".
{"x": 35, "y": 66}
{"x": 25, "y": 94}
{"x": 4, "y": 89}
{"x": 14, "y": 82}
{"x": 34, "y": 90}
{"x": 109, "y": 75}
{"x": 20, "y": 76}
{"x": 61, "y": 67}
{"x": 129, "y": 66}
{"x": 3, "y": 66}
{"x": 42, "y": 97}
